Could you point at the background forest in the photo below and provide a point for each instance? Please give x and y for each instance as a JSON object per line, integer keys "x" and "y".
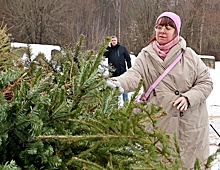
{"x": 61, "y": 22}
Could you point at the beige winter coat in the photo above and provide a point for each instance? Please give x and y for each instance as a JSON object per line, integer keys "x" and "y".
{"x": 189, "y": 78}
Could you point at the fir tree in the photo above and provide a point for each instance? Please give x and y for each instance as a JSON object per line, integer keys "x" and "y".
{"x": 69, "y": 119}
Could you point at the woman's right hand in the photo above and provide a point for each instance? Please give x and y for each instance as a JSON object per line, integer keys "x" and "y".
{"x": 115, "y": 84}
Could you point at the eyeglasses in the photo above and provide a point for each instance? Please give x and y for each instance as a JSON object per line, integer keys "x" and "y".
{"x": 160, "y": 27}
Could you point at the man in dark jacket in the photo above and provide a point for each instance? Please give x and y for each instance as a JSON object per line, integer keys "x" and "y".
{"x": 117, "y": 55}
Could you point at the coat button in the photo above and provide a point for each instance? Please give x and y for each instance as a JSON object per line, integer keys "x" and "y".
{"x": 177, "y": 92}
{"x": 181, "y": 114}
{"x": 154, "y": 92}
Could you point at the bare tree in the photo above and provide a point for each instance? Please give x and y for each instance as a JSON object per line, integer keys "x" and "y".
{"x": 138, "y": 22}
{"x": 87, "y": 17}
{"x": 34, "y": 21}
{"x": 132, "y": 21}
{"x": 211, "y": 31}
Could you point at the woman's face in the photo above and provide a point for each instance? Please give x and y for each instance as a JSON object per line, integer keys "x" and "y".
{"x": 164, "y": 33}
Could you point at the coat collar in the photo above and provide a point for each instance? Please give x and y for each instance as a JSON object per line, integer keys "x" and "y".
{"x": 174, "y": 51}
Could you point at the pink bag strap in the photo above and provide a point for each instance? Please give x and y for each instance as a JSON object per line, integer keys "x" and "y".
{"x": 162, "y": 76}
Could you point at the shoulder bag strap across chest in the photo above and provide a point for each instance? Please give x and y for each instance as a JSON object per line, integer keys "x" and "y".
{"x": 162, "y": 76}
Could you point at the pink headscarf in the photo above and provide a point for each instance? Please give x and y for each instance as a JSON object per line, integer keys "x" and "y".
{"x": 162, "y": 50}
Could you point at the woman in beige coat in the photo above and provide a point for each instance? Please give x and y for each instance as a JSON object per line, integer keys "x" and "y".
{"x": 183, "y": 91}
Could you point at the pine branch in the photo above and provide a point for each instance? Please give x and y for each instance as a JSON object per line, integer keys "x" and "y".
{"x": 74, "y": 159}
{"x": 76, "y": 138}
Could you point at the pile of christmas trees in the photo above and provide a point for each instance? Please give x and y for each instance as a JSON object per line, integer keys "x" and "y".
{"x": 69, "y": 119}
